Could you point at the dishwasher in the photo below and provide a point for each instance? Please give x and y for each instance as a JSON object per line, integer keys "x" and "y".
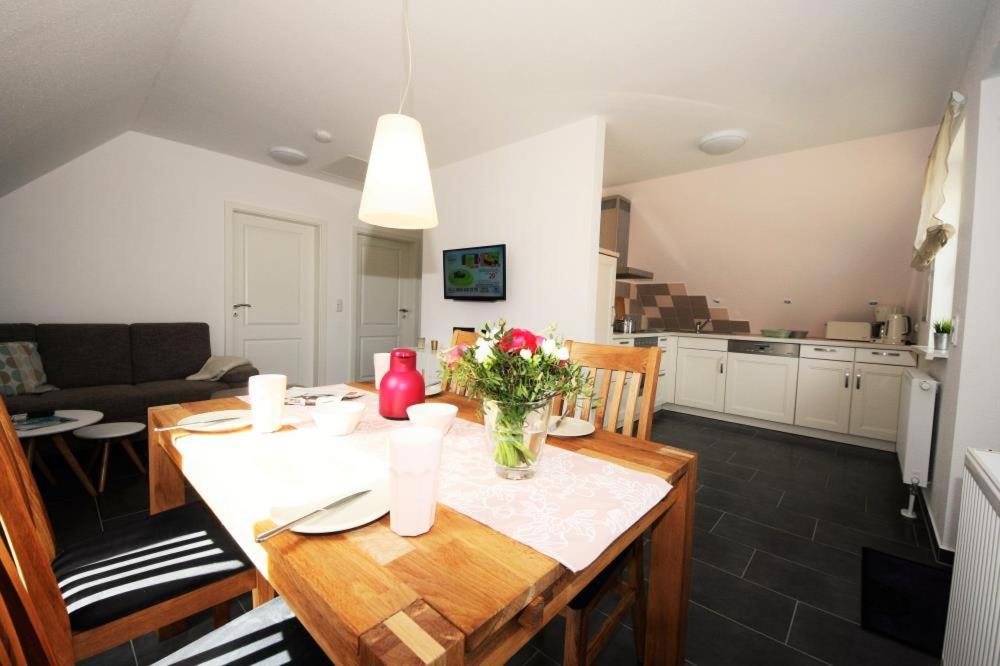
{"x": 761, "y": 380}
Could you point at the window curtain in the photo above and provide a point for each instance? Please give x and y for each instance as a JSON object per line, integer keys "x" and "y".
{"x": 935, "y": 229}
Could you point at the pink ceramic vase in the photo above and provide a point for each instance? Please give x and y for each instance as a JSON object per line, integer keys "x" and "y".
{"x": 402, "y": 386}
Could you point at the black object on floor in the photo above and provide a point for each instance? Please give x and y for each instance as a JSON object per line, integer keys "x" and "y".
{"x": 904, "y": 600}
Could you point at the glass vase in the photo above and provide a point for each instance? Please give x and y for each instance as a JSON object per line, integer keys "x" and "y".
{"x": 515, "y": 435}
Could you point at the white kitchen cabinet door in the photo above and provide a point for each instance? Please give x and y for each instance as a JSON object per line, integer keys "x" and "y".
{"x": 606, "y": 267}
{"x": 668, "y": 364}
{"x": 875, "y": 400}
{"x": 701, "y": 379}
{"x": 762, "y": 387}
{"x": 823, "y": 399}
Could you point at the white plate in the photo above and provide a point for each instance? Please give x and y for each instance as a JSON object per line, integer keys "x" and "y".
{"x": 355, "y": 513}
{"x": 571, "y": 427}
{"x": 242, "y": 417}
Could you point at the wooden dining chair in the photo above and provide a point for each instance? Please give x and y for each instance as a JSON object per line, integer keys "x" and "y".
{"x": 614, "y": 373}
{"x": 460, "y": 337}
{"x": 124, "y": 583}
{"x": 267, "y": 634}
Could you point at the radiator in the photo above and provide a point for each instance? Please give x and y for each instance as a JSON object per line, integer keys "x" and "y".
{"x": 973, "y": 634}
{"x": 916, "y": 426}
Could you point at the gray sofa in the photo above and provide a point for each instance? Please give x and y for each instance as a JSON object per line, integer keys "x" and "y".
{"x": 119, "y": 369}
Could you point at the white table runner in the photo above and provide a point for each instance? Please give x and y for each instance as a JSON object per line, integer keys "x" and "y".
{"x": 572, "y": 510}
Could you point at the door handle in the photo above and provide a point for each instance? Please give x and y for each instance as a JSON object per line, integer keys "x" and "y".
{"x": 857, "y": 385}
{"x": 721, "y": 367}
{"x": 242, "y": 305}
{"x": 847, "y": 379}
{"x": 403, "y": 310}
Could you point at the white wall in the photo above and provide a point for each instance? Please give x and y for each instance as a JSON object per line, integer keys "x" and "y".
{"x": 133, "y": 231}
{"x": 540, "y": 196}
{"x": 970, "y": 394}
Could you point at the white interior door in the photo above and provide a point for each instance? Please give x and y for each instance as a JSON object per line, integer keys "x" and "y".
{"x": 386, "y": 311}
{"x": 273, "y": 301}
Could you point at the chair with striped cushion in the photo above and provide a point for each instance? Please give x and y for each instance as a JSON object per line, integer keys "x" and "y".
{"x": 123, "y": 583}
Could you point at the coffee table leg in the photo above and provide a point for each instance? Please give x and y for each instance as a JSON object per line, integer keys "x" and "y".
{"x": 105, "y": 455}
{"x": 42, "y": 465}
{"x": 71, "y": 460}
{"x": 133, "y": 455}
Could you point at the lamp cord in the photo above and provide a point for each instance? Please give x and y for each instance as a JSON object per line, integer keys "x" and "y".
{"x": 409, "y": 54}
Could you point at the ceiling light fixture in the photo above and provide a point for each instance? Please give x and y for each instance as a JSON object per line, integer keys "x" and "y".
{"x": 723, "y": 141}
{"x": 286, "y": 155}
{"x": 397, "y": 191}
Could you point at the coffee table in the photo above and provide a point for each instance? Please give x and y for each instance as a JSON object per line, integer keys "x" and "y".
{"x": 81, "y": 418}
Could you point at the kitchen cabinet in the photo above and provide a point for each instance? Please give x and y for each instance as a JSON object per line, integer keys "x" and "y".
{"x": 667, "y": 389}
{"x": 823, "y": 398}
{"x": 875, "y": 400}
{"x": 701, "y": 378}
{"x": 761, "y": 386}
{"x": 606, "y": 266}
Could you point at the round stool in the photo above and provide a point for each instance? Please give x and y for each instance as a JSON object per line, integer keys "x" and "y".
{"x": 107, "y": 432}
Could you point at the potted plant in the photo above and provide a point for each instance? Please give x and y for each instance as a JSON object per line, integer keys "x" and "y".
{"x": 516, "y": 373}
{"x": 942, "y": 329}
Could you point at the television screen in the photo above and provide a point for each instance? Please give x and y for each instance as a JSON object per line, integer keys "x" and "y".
{"x": 476, "y": 273}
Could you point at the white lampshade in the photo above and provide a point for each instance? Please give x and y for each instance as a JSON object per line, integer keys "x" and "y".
{"x": 398, "y": 191}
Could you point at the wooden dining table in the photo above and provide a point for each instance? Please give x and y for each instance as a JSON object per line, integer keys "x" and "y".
{"x": 461, "y": 593}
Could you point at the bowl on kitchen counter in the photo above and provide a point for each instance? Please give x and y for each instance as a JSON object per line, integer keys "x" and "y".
{"x": 775, "y": 332}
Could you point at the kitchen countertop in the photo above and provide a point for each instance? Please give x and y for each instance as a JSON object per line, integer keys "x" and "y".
{"x": 760, "y": 338}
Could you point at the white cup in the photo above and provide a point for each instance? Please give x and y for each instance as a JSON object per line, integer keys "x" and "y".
{"x": 414, "y": 465}
{"x": 267, "y": 401}
{"x": 381, "y": 361}
{"x": 438, "y": 415}
{"x": 338, "y": 418}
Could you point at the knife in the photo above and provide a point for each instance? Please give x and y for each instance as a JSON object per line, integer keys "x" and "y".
{"x": 198, "y": 423}
{"x": 264, "y": 536}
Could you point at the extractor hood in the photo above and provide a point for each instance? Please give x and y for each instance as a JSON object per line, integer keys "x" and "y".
{"x": 615, "y": 212}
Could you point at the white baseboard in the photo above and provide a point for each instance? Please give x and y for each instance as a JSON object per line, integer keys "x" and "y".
{"x": 784, "y": 427}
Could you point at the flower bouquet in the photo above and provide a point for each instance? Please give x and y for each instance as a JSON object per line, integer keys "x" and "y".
{"x": 517, "y": 374}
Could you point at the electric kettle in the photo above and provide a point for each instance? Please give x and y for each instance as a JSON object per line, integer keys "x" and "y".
{"x": 896, "y": 328}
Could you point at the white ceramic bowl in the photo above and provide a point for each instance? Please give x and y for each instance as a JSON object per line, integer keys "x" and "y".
{"x": 338, "y": 418}
{"x": 436, "y": 415}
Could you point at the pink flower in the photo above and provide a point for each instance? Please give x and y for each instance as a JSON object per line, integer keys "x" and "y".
{"x": 518, "y": 339}
{"x": 454, "y": 355}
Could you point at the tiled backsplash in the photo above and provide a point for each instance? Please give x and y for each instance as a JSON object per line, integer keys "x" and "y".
{"x": 667, "y": 305}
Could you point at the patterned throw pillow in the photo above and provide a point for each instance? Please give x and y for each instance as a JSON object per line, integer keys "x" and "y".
{"x": 21, "y": 369}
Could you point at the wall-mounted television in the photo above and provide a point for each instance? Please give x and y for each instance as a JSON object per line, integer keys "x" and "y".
{"x": 476, "y": 273}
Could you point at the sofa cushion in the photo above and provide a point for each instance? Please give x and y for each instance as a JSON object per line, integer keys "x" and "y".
{"x": 115, "y": 401}
{"x": 76, "y": 355}
{"x": 170, "y": 391}
{"x": 17, "y": 332}
{"x": 239, "y": 376}
{"x": 21, "y": 368}
{"x": 168, "y": 351}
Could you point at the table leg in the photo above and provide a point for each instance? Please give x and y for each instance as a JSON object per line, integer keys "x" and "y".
{"x": 166, "y": 483}
{"x": 670, "y": 577}
{"x": 42, "y": 465}
{"x": 127, "y": 445}
{"x": 74, "y": 465}
{"x": 105, "y": 455}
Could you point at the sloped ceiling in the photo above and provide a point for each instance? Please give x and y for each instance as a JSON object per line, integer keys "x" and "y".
{"x": 238, "y": 76}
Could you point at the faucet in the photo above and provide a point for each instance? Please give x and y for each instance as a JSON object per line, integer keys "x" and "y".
{"x": 699, "y": 326}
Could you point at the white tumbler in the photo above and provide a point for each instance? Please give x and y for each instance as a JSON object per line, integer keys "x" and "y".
{"x": 414, "y": 465}
{"x": 381, "y": 367}
{"x": 267, "y": 401}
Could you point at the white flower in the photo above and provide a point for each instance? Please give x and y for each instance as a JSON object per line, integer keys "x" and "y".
{"x": 525, "y": 354}
{"x": 482, "y": 353}
{"x": 562, "y": 354}
{"x": 548, "y": 346}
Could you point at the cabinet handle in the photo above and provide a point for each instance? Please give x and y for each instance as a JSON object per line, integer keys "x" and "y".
{"x": 847, "y": 379}
{"x": 824, "y": 349}
{"x": 878, "y": 353}
{"x": 721, "y": 367}
{"x": 857, "y": 385}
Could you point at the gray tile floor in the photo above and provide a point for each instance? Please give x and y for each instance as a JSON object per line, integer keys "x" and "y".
{"x": 779, "y": 527}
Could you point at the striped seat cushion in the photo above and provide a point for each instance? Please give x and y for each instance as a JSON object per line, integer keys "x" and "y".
{"x": 268, "y": 635}
{"x": 142, "y": 564}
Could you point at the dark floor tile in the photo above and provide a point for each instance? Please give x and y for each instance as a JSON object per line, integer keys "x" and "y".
{"x": 781, "y": 461}
{"x": 739, "y": 487}
{"x": 730, "y": 443}
{"x": 524, "y": 656}
{"x": 838, "y": 641}
{"x": 124, "y": 496}
{"x": 814, "y": 555}
{"x": 727, "y": 427}
{"x": 121, "y": 655}
{"x": 756, "y": 510}
{"x": 898, "y": 528}
{"x": 620, "y": 648}
{"x": 851, "y": 540}
{"x": 73, "y": 521}
{"x": 539, "y": 658}
{"x": 832, "y": 594}
{"x": 713, "y": 640}
{"x": 705, "y": 516}
{"x": 721, "y": 552}
{"x": 742, "y": 601}
{"x": 718, "y": 466}
{"x": 550, "y": 639}
{"x": 683, "y": 435}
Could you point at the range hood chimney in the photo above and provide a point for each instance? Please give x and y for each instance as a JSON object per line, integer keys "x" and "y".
{"x": 615, "y": 212}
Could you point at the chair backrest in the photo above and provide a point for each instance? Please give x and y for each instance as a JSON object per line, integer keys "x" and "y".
{"x": 29, "y": 540}
{"x": 609, "y": 370}
{"x": 23, "y": 641}
{"x": 459, "y": 337}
